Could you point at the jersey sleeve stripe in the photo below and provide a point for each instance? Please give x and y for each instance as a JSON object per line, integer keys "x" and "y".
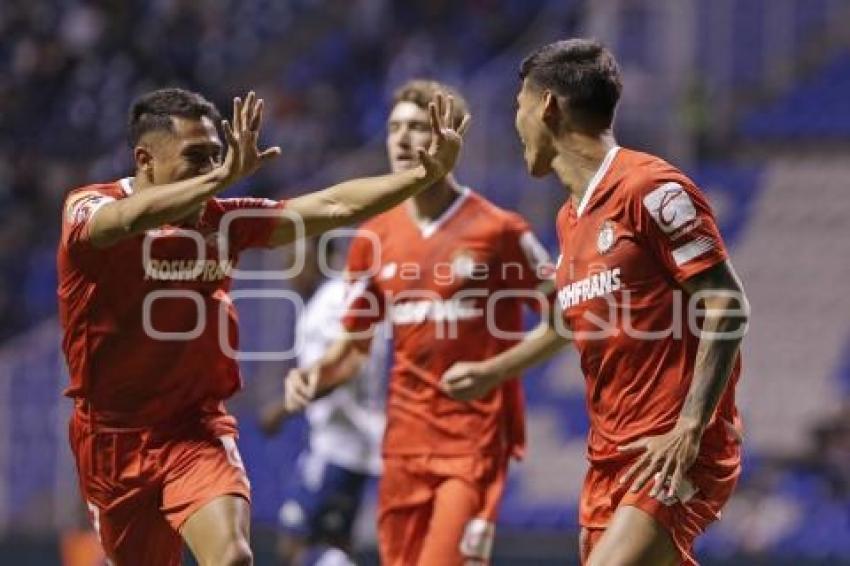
{"x": 692, "y": 250}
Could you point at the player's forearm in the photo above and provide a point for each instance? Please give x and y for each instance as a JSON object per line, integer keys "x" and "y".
{"x": 272, "y": 416}
{"x": 349, "y": 202}
{"x": 153, "y": 207}
{"x": 722, "y": 332}
{"x": 359, "y": 199}
{"x": 538, "y": 346}
{"x": 339, "y": 364}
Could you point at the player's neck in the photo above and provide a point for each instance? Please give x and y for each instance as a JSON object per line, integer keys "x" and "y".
{"x": 578, "y": 159}
{"x": 433, "y": 201}
{"x": 139, "y": 183}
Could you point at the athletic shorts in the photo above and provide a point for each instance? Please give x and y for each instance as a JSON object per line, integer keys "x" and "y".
{"x": 322, "y": 500}
{"x": 141, "y": 484}
{"x": 439, "y": 510}
{"x": 709, "y": 485}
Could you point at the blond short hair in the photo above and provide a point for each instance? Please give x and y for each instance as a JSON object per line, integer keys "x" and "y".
{"x": 422, "y": 91}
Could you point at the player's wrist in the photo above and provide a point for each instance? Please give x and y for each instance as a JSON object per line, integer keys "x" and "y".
{"x": 219, "y": 179}
{"x": 690, "y": 424}
{"x": 493, "y": 370}
{"x": 426, "y": 176}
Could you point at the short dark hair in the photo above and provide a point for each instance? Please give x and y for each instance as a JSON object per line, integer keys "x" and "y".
{"x": 154, "y": 110}
{"x": 584, "y": 72}
{"x": 422, "y": 91}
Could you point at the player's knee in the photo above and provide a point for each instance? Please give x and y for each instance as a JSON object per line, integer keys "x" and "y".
{"x": 237, "y": 553}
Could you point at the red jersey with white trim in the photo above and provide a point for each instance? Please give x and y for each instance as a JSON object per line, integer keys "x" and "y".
{"x": 147, "y": 322}
{"x": 641, "y": 230}
{"x": 452, "y": 291}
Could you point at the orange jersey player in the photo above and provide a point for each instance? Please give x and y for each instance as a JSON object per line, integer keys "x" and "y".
{"x": 145, "y": 266}
{"x": 648, "y": 295}
{"x": 450, "y": 272}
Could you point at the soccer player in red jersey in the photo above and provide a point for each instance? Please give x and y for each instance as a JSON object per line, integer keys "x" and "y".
{"x": 150, "y": 332}
{"x": 647, "y": 293}
{"x": 450, "y": 272}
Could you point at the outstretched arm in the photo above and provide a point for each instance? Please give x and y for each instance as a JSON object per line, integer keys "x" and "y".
{"x": 466, "y": 381}
{"x": 352, "y": 201}
{"x": 726, "y": 316}
{"x": 160, "y": 205}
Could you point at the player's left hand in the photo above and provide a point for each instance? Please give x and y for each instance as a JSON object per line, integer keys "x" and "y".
{"x": 446, "y": 140}
{"x": 668, "y": 455}
{"x": 243, "y": 157}
{"x": 466, "y": 381}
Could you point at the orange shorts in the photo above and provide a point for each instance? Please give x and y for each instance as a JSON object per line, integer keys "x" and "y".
{"x": 141, "y": 484}
{"x": 712, "y": 479}
{"x": 438, "y": 510}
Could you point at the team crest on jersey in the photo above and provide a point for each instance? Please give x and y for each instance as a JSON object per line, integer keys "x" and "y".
{"x": 388, "y": 271}
{"x": 463, "y": 264}
{"x": 606, "y": 238}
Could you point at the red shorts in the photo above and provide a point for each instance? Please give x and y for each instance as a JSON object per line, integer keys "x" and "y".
{"x": 713, "y": 479}
{"x": 141, "y": 484}
{"x": 439, "y": 510}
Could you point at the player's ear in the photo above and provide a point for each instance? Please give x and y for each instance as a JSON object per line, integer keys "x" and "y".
{"x": 144, "y": 162}
{"x": 550, "y": 111}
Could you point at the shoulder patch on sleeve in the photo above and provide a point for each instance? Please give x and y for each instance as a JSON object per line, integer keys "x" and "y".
{"x": 81, "y": 206}
{"x": 670, "y": 206}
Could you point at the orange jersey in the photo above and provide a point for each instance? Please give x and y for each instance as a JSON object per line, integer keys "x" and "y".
{"x": 144, "y": 320}
{"x": 453, "y": 291}
{"x": 641, "y": 229}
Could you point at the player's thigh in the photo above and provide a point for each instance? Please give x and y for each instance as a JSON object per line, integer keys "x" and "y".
{"x": 405, "y": 503}
{"x": 219, "y": 532}
{"x": 303, "y": 497}
{"x": 587, "y": 539}
{"x": 633, "y": 538}
{"x": 340, "y": 505}
{"x": 122, "y": 498}
{"x": 137, "y": 535}
{"x": 322, "y": 501}
{"x": 456, "y": 503}
{"x": 401, "y": 533}
{"x": 206, "y": 496}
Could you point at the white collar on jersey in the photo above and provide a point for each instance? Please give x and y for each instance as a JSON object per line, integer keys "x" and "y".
{"x": 430, "y": 227}
{"x": 594, "y": 181}
{"x": 127, "y": 185}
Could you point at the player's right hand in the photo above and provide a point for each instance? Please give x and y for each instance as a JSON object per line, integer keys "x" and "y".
{"x": 243, "y": 157}
{"x": 446, "y": 140}
{"x": 299, "y": 388}
{"x": 467, "y": 381}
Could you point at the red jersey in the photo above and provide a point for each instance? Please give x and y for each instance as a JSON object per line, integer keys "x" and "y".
{"x": 641, "y": 229}
{"x": 147, "y": 322}
{"x": 453, "y": 291}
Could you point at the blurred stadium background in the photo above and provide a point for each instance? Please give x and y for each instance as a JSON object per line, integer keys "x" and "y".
{"x": 749, "y": 96}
